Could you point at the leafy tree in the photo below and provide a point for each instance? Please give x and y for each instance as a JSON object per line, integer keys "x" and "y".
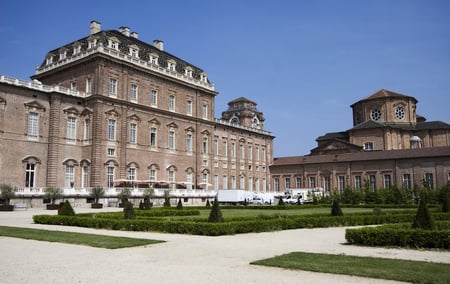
{"x": 128, "y": 210}
{"x": 444, "y": 198}
{"x": 124, "y": 195}
{"x": 52, "y": 193}
{"x": 97, "y": 193}
{"x": 66, "y": 209}
{"x": 423, "y": 219}
{"x": 6, "y": 193}
{"x": 336, "y": 208}
{"x": 215, "y": 215}
{"x": 166, "y": 199}
{"x": 180, "y": 204}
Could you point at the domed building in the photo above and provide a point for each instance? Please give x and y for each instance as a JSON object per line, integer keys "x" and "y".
{"x": 389, "y": 144}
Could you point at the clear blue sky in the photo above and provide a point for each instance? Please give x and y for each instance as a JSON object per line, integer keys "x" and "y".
{"x": 303, "y": 62}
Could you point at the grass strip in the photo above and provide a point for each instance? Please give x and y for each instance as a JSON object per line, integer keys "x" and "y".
{"x": 100, "y": 241}
{"x": 382, "y": 268}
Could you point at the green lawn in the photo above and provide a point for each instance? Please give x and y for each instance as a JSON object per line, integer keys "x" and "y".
{"x": 100, "y": 241}
{"x": 389, "y": 269}
{"x": 298, "y": 210}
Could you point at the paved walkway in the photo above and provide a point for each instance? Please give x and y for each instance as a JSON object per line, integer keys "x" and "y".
{"x": 181, "y": 259}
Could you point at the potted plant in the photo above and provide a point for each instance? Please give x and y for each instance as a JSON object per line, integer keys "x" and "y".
{"x": 123, "y": 196}
{"x": 6, "y": 193}
{"x": 52, "y": 193}
{"x": 96, "y": 194}
{"x": 148, "y": 194}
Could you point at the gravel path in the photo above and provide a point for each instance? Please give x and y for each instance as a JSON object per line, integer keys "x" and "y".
{"x": 181, "y": 259}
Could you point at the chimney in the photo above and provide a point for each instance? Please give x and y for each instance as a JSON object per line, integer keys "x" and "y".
{"x": 159, "y": 44}
{"x": 125, "y": 31}
{"x": 134, "y": 35}
{"x": 95, "y": 27}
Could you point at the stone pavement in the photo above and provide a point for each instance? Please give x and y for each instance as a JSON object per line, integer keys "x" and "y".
{"x": 181, "y": 259}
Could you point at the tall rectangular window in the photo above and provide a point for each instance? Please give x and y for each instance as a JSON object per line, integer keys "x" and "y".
{"x": 372, "y": 182}
{"x": 233, "y": 182}
{"x": 112, "y": 87}
{"x": 216, "y": 182}
{"x": 111, "y": 130}
{"x": 71, "y": 127}
{"x": 216, "y": 147}
{"x": 224, "y": 148}
{"x": 110, "y": 177}
{"x": 88, "y": 86}
{"x": 276, "y": 184}
{"x": 69, "y": 175}
{"x": 241, "y": 151}
{"x": 87, "y": 129}
{"x": 153, "y": 137}
{"x": 171, "y": 140}
{"x": 387, "y": 181}
{"x": 224, "y": 182}
{"x": 429, "y": 181}
{"x": 358, "y": 182}
{"x": 189, "y": 107}
{"x": 132, "y": 173}
{"x": 33, "y": 125}
{"x": 172, "y": 103}
{"x": 341, "y": 183}
{"x": 298, "y": 182}
{"x": 133, "y": 93}
{"x": 189, "y": 182}
{"x": 152, "y": 174}
{"x": 263, "y": 154}
{"x": 205, "y": 145}
{"x": 233, "y": 150}
{"x": 205, "y": 111}
{"x": 312, "y": 182}
{"x": 154, "y": 97}
{"x": 189, "y": 143}
{"x": 407, "y": 181}
{"x": 242, "y": 182}
{"x": 133, "y": 133}
{"x": 250, "y": 153}
{"x": 327, "y": 183}
{"x": 30, "y": 173}
{"x": 171, "y": 175}
{"x": 85, "y": 177}
{"x": 287, "y": 183}
{"x": 257, "y": 153}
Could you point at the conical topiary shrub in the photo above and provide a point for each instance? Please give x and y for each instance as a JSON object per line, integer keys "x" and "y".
{"x": 215, "y": 215}
{"x": 166, "y": 199}
{"x": 179, "y": 204}
{"x": 66, "y": 209}
{"x": 336, "y": 208}
{"x": 423, "y": 219}
{"x": 128, "y": 210}
{"x": 207, "y": 203}
{"x": 280, "y": 202}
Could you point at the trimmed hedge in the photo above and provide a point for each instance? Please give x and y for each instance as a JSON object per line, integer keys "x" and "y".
{"x": 402, "y": 235}
{"x": 200, "y": 226}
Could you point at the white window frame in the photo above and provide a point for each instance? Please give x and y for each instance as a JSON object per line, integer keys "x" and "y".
{"x": 69, "y": 175}
{"x": 189, "y": 140}
{"x": 30, "y": 175}
{"x": 154, "y": 98}
{"x": 189, "y": 107}
{"x": 111, "y": 130}
{"x": 113, "y": 87}
{"x": 171, "y": 140}
{"x": 133, "y": 133}
{"x": 110, "y": 171}
{"x": 153, "y": 137}
{"x": 71, "y": 129}
{"x": 171, "y": 103}
{"x": 387, "y": 180}
{"x": 87, "y": 129}
{"x": 205, "y": 111}
{"x": 134, "y": 93}
{"x": 33, "y": 125}
{"x": 84, "y": 176}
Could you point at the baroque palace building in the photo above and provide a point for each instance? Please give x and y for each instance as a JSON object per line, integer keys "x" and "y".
{"x": 389, "y": 144}
{"x": 110, "y": 110}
